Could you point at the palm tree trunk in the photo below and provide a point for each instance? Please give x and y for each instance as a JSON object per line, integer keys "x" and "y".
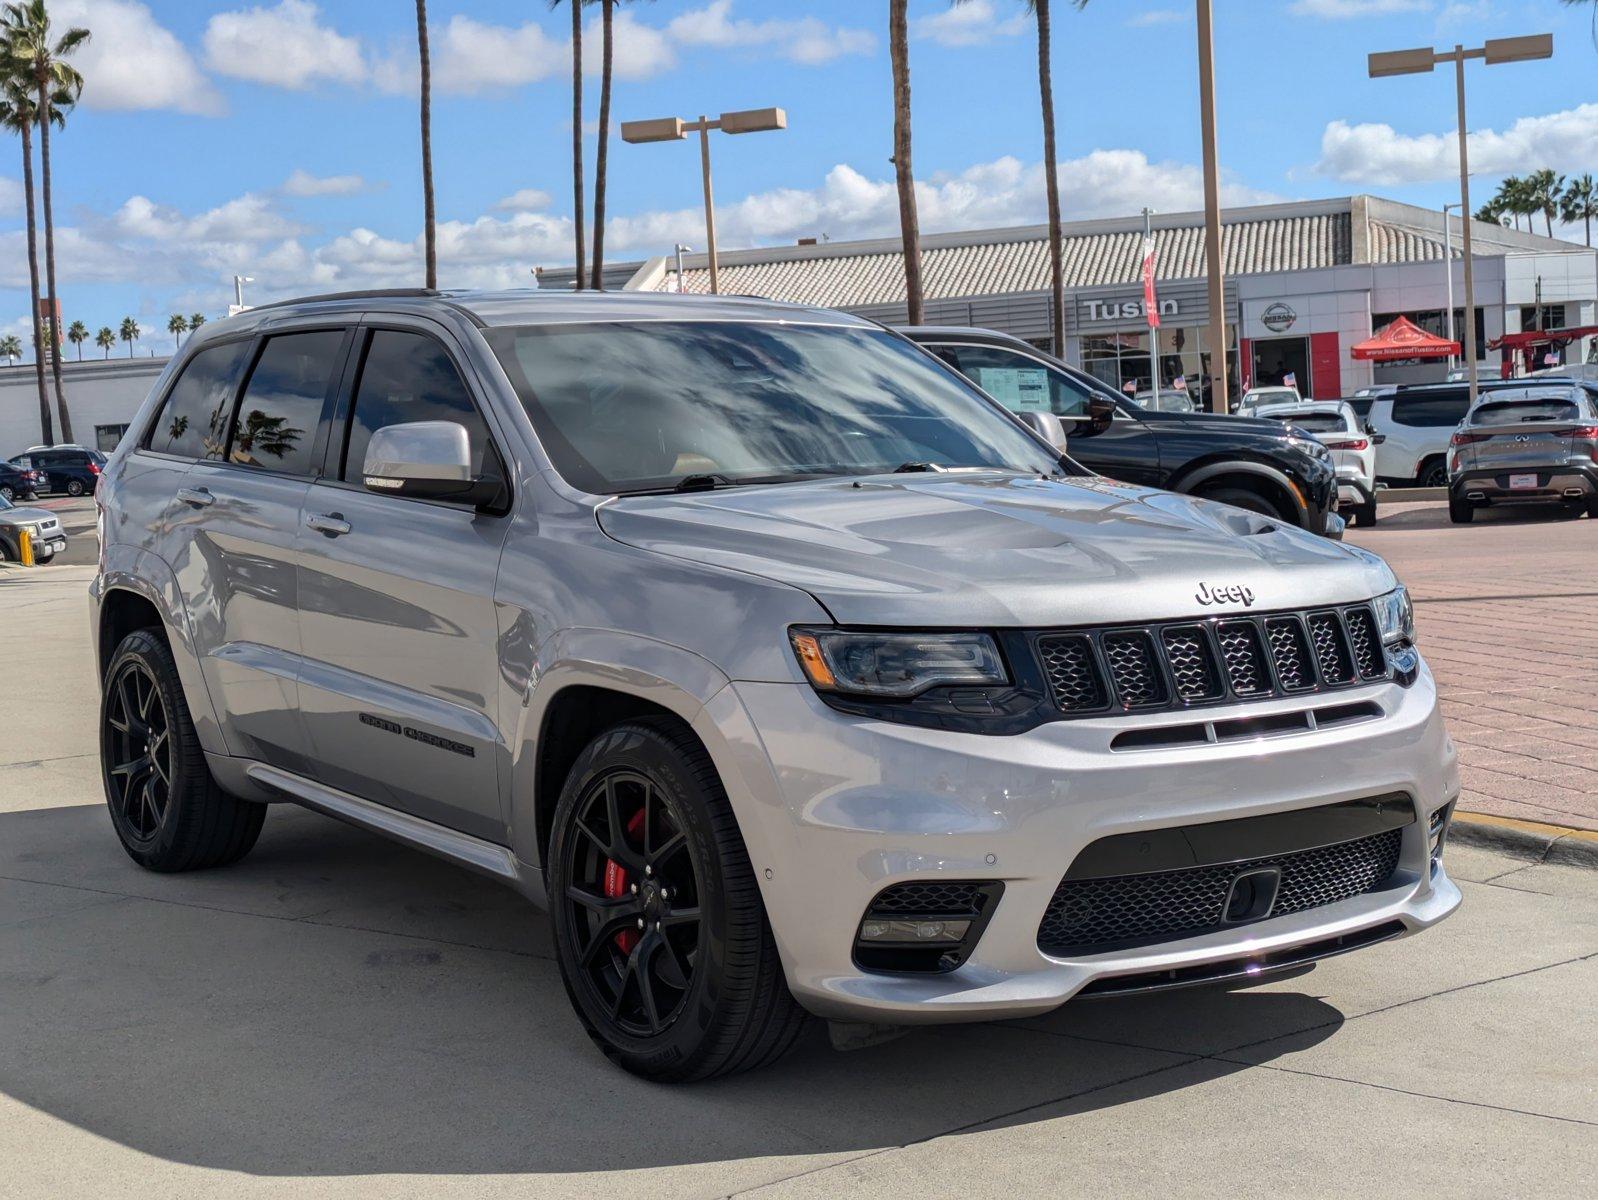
{"x": 429, "y": 232}
{"x": 49, "y": 261}
{"x": 909, "y": 227}
{"x": 1050, "y": 176}
{"x": 578, "y": 216}
{"x": 45, "y": 425}
{"x": 606, "y": 42}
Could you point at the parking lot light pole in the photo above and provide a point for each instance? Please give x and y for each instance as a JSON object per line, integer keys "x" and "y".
{"x": 674, "y": 129}
{"x": 1448, "y": 280}
{"x": 1421, "y": 61}
{"x": 1219, "y": 400}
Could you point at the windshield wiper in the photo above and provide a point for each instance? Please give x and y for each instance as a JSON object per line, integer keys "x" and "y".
{"x": 701, "y": 483}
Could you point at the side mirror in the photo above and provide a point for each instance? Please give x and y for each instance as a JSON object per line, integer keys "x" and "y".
{"x": 1046, "y": 425}
{"x": 426, "y": 460}
{"x": 1099, "y": 415}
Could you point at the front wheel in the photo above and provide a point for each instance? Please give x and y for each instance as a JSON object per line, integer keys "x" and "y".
{"x": 1243, "y": 498}
{"x": 167, "y": 810}
{"x": 660, "y": 932}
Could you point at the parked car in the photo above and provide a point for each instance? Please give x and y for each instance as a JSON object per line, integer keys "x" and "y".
{"x": 19, "y": 484}
{"x": 1411, "y": 427}
{"x": 74, "y": 470}
{"x": 44, "y": 530}
{"x": 789, "y": 670}
{"x": 1252, "y": 464}
{"x": 1532, "y": 444}
{"x": 1337, "y": 427}
{"x": 1177, "y": 400}
{"x": 1364, "y": 397}
{"x": 1256, "y": 398}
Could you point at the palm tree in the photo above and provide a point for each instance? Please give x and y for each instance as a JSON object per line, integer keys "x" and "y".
{"x": 105, "y": 339}
{"x": 1580, "y": 203}
{"x": 43, "y": 61}
{"x": 429, "y": 232}
{"x": 129, "y": 333}
{"x": 577, "y": 135}
{"x": 196, "y": 320}
{"x": 10, "y": 349}
{"x": 909, "y": 226}
{"x": 77, "y": 334}
{"x": 18, "y": 113}
{"x": 177, "y": 324}
{"x": 1544, "y": 189}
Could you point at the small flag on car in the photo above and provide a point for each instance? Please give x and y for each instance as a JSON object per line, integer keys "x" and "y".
{"x": 1290, "y": 380}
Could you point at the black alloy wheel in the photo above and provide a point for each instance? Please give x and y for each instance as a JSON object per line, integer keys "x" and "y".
{"x": 1434, "y": 475}
{"x": 633, "y": 899}
{"x": 139, "y": 750}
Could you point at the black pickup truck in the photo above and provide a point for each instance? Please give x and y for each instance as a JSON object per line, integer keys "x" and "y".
{"x": 1259, "y": 465}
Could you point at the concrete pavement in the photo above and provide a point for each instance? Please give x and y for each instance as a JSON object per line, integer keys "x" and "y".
{"x": 340, "y": 1016}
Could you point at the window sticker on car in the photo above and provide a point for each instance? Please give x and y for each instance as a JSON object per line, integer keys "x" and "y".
{"x": 1019, "y": 389}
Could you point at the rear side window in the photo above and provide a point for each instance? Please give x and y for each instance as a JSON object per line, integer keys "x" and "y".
{"x": 282, "y": 405}
{"x": 410, "y": 377}
{"x": 193, "y": 422}
{"x": 1019, "y": 383}
{"x": 1431, "y": 412}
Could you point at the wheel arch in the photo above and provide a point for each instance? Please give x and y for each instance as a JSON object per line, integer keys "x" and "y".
{"x": 1256, "y": 476}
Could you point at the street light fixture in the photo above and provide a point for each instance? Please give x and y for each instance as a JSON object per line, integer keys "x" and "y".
{"x": 674, "y": 129}
{"x": 1421, "y": 61}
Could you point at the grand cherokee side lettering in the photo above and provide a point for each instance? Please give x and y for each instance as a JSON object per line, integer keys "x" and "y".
{"x": 1224, "y": 594}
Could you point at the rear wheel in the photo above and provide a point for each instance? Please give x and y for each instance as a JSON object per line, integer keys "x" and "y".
{"x": 662, "y": 939}
{"x": 1433, "y": 473}
{"x": 1460, "y": 511}
{"x": 1365, "y": 514}
{"x": 166, "y": 808}
{"x": 74, "y": 487}
{"x": 6, "y": 493}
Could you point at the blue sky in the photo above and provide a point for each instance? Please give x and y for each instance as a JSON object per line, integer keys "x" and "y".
{"x": 278, "y": 139}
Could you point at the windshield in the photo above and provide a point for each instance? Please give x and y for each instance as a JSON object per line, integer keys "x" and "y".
{"x": 643, "y": 407}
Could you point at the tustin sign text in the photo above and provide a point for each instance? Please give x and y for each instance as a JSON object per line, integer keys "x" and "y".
{"x": 1125, "y": 310}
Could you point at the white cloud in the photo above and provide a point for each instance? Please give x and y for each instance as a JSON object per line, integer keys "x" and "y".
{"x": 525, "y": 200}
{"x": 133, "y": 61}
{"x": 1343, "y": 10}
{"x": 1376, "y": 153}
{"x": 639, "y": 51}
{"x": 284, "y": 46}
{"x": 806, "y": 40}
{"x": 303, "y": 183}
{"x": 246, "y": 218}
{"x": 471, "y": 56}
{"x": 969, "y": 24}
{"x": 11, "y": 200}
{"x": 1157, "y": 16}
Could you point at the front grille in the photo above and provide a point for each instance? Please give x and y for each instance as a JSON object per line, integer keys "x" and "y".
{"x": 1088, "y": 916}
{"x": 1219, "y": 660}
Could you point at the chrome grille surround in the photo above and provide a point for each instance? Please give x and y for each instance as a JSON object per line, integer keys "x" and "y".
{"x": 1176, "y": 665}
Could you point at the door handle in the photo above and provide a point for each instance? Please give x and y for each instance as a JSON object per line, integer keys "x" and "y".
{"x": 196, "y": 497}
{"x": 332, "y": 524}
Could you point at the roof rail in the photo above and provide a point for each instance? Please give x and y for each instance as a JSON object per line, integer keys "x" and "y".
{"x": 365, "y": 294}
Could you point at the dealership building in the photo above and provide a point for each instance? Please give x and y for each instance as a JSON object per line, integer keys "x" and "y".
{"x": 102, "y": 396}
{"x": 1305, "y": 282}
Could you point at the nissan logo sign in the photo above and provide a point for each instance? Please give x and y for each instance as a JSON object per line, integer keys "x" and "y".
{"x": 1278, "y": 317}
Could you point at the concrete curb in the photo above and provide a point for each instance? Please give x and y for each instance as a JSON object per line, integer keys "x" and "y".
{"x": 1410, "y": 495}
{"x": 1529, "y": 840}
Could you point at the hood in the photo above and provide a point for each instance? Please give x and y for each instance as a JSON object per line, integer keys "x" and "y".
{"x": 995, "y": 549}
{"x": 23, "y": 515}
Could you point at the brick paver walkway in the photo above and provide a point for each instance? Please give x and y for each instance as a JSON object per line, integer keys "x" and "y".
{"x": 1507, "y": 609}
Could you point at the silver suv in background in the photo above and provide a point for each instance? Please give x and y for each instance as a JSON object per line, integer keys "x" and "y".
{"x": 1532, "y": 444}
{"x": 788, "y": 670}
{"x": 1336, "y": 426}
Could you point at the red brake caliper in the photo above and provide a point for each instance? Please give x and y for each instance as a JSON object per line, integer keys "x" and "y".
{"x": 616, "y": 880}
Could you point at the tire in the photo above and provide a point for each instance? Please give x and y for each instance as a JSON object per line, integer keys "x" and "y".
{"x": 717, "y": 1000}
{"x": 1365, "y": 514}
{"x": 74, "y": 487}
{"x": 6, "y": 493}
{"x": 1592, "y": 509}
{"x": 43, "y": 560}
{"x": 1460, "y": 512}
{"x": 1433, "y": 473}
{"x": 169, "y": 813}
{"x": 1244, "y": 498}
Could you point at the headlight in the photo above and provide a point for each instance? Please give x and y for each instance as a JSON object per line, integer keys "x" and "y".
{"x": 1395, "y": 617}
{"x": 895, "y": 665}
{"x": 1310, "y": 446}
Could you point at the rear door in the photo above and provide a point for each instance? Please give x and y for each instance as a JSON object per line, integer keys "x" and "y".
{"x": 241, "y": 510}
{"x": 401, "y": 668}
{"x": 1128, "y": 450}
{"x": 1422, "y": 424}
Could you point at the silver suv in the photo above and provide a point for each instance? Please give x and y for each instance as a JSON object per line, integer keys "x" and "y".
{"x": 789, "y": 672}
{"x": 1532, "y": 444}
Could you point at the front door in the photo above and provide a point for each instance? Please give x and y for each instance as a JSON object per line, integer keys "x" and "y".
{"x": 400, "y": 638}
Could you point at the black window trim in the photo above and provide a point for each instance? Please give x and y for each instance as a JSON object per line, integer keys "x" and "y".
{"x": 142, "y": 445}
{"x": 338, "y": 443}
{"x": 329, "y": 396}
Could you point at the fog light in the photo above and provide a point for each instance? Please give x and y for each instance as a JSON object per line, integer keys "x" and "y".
{"x": 913, "y": 932}
{"x": 1437, "y": 830}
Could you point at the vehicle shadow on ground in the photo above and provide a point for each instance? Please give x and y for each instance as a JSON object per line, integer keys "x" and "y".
{"x": 338, "y": 1005}
{"x": 1435, "y": 516}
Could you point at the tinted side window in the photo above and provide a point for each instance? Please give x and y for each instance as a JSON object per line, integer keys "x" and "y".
{"x": 277, "y": 418}
{"x": 1019, "y": 383}
{"x": 1431, "y": 412}
{"x": 410, "y": 377}
{"x": 193, "y": 422}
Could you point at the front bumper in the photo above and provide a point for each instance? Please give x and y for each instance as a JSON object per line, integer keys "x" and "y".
{"x": 848, "y": 806}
